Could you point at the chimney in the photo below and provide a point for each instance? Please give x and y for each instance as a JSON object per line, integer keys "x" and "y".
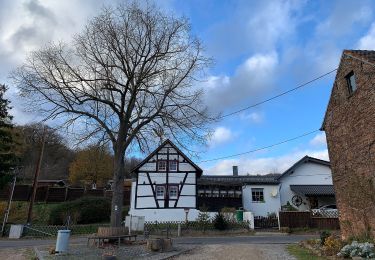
{"x": 235, "y": 170}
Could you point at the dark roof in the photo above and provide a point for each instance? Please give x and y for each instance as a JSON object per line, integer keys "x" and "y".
{"x": 364, "y": 55}
{"x": 313, "y": 190}
{"x": 199, "y": 170}
{"x": 239, "y": 180}
{"x": 305, "y": 160}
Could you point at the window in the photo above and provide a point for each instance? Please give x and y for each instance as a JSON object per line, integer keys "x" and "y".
{"x": 257, "y": 195}
{"x": 160, "y": 191}
{"x": 350, "y": 79}
{"x": 173, "y": 191}
{"x": 173, "y": 166}
{"x": 162, "y": 165}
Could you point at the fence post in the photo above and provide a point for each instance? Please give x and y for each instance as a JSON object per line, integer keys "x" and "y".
{"x": 179, "y": 230}
{"x": 278, "y": 219}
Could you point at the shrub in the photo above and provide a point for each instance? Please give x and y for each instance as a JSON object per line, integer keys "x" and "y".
{"x": 220, "y": 222}
{"x": 86, "y": 210}
{"x": 229, "y": 214}
{"x": 203, "y": 219}
{"x": 365, "y": 250}
{"x": 323, "y": 236}
{"x": 288, "y": 207}
{"x": 332, "y": 245}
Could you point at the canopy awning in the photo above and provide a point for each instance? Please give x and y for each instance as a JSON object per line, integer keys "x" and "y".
{"x": 313, "y": 190}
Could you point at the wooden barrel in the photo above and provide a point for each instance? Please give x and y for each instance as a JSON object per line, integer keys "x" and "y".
{"x": 112, "y": 231}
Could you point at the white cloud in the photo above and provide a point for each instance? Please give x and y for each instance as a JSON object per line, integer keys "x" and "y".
{"x": 221, "y": 135}
{"x": 253, "y": 117}
{"x": 248, "y": 26}
{"x": 319, "y": 140}
{"x": 367, "y": 42}
{"x": 344, "y": 17}
{"x": 28, "y": 25}
{"x": 266, "y": 32}
{"x": 251, "y": 80}
{"x": 263, "y": 165}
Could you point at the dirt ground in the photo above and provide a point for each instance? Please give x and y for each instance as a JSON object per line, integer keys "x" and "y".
{"x": 16, "y": 254}
{"x": 238, "y": 251}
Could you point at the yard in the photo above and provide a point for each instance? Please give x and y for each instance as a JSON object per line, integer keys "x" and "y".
{"x": 238, "y": 251}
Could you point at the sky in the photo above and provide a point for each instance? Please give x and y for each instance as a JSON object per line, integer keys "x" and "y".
{"x": 260, "y": 49}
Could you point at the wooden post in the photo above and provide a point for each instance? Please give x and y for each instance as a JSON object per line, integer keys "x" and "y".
{"x": 179, "y": 230}
{"x": 35, "y": 183}
{"x": 8, "y": 207}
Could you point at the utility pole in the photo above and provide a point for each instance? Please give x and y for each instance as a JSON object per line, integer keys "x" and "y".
{"x": 8, "y": 207}
{"x": 35, "y": 183}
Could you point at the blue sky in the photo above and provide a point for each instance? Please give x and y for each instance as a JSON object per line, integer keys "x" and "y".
{"x": 260, "y": 48}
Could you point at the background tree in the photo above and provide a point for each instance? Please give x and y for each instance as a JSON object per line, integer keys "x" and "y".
{"x": 92, "y": 165}
{"x": 7, "y": 145}
{"x": 128, "y": 75}
{"x": 130, "y": 164}
{"x": 57, "y": 155}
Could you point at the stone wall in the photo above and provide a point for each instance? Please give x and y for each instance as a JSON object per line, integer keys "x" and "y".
{"x": 350, "y": 129}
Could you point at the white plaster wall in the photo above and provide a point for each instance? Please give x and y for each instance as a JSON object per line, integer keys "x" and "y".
{"x": 270, "y": 205}
{"x": 160, "y": 178}
{"x": 306, "y": 174}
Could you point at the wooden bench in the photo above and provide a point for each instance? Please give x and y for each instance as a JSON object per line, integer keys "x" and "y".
{"x": 100, "y": 239}
{"x": 111, "y": 233}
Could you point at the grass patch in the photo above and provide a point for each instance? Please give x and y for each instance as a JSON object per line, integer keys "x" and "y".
{"x": 302, "y": 253}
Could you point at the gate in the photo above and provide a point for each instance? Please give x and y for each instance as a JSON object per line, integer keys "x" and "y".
{"x": 266, "y": 222}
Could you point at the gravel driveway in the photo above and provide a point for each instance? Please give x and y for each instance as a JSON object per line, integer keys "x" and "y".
{"x": 238, "y": 251}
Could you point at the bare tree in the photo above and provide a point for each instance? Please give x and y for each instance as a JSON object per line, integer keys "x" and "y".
{"x": 129, "y": 77}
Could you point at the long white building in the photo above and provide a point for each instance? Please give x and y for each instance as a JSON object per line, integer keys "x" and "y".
{"x": 170, "y": 187}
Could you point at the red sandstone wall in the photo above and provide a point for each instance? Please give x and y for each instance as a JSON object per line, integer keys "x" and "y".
{"x": 350, "y": 129}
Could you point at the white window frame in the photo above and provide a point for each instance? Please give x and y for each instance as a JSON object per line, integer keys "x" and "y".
{"x": 175, "y": 190}
{"x": 160, "y": 163}
{"x": 175, "y": 163}
{"x": 257, "y": 195}
{"x": 160, "y": 191}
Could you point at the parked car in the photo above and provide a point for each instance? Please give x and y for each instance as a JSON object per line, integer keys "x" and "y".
{"x": 326, "y": 211}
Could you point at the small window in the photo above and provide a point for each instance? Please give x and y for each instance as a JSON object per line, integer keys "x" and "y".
{"x": 257, "y": 195}
{"x": 350, "y": 79}
{"x": 173, "y": 191}
{"x": 160, "y": 191}
{"x": 173, "y": 166}
{"x": 162, "y": 165}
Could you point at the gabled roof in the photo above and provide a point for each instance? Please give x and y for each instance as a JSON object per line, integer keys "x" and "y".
{"x": 366, "y": 56}
{"x": 302, "y": 161}
{"x": 239, "y": 180}
{"x": 199, "y": 170}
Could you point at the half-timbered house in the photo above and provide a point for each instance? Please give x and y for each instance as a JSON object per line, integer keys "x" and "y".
{"x": 165, "y": 186}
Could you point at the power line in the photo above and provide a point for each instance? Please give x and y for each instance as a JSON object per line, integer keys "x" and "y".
{"x": 262, "y": 148}
{"x": 279, "y": 95}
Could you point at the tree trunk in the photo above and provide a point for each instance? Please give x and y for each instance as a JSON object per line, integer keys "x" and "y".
{"x": 118, "y": 189}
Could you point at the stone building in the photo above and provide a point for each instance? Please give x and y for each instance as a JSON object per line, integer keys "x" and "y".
{"x": 349, "y": 124}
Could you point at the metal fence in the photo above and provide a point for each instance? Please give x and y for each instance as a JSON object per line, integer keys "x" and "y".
{"x": 51, "y": 231}
{"x": 171, "y": 228}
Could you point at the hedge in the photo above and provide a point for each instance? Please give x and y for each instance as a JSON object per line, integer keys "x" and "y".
{"x": 86, "y": 210}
